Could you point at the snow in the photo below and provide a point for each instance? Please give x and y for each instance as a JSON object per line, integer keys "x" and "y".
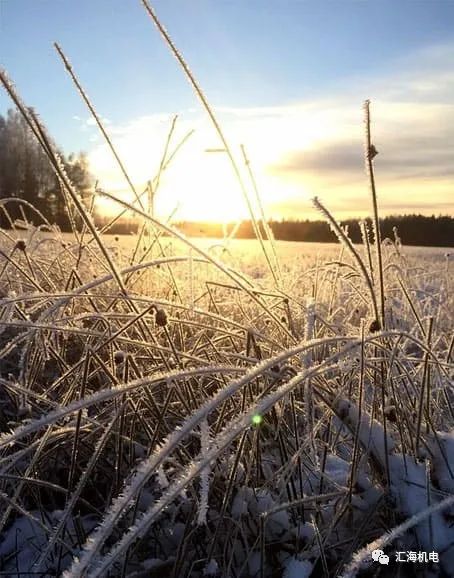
{"x": 23, "y": 542}
{"x": 254, "y": 563}
{"x": 295, "y": 568}
{"x": 278, "y": 522}
{"x": 239, "y": 504}
{"x": 152, "y": 563}
{"x": 211, "y": 568}
{"x": 443, "y": 460}
{"x": 304, "y": 532}
{"x": 409, "y": 486}
{"x": 371, "y": 432}
{"x": 337, "y": 470}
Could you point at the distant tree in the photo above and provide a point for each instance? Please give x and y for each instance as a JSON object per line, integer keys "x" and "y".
{"x": 79, "y": 173}
{"x": 25, "y": 172}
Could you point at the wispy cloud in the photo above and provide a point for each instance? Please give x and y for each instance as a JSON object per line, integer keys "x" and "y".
{"x": 90, "y": 121}
{"x": 88, "y": 125}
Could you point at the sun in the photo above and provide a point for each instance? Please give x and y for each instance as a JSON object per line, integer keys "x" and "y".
{"x": 204, "y": 187}
{"x": 198, "y": 185}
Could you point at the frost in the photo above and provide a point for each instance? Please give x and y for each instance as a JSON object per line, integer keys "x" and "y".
{"x": 162, "y": 478}
{"x": 311, "y": 469}
{"x": 204, "y": 475}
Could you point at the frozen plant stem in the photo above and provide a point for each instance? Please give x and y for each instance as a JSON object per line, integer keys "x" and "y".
{"x": 343, "y": 238}
{"x": 97, "y": 119}
{"x": 276, "y": 274}
{"x": 209, "y": 110}
{"x": 370, "y": 153}
{"x": 56, "y": 163}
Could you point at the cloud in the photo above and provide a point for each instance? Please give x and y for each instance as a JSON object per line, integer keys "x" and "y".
{"x": 90, "y": 121}
{"x": 341, "y": 157}
{"x": 88, "y": 125}
{"x": 425, "y": 76}
{"x": 400, "y": 157}
{"x": 311, "y": 147}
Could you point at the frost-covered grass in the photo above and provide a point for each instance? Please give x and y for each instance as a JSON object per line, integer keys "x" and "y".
{"x": 129, "y": 445}
{"x": 173, "y": 409}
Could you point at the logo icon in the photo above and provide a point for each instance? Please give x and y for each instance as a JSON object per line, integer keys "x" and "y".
{"x": 380, "y": 557}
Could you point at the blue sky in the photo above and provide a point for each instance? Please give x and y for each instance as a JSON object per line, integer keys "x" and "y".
{"x": 289, "y": 71}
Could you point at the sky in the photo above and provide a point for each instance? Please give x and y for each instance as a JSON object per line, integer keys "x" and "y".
{"x": 287, "y": 79}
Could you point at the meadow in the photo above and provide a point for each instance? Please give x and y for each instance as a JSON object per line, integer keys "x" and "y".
{"x": 172, "y": 407}
{"x": 207, "y": 422}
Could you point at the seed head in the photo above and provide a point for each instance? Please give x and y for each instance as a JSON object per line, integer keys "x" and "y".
{"x": 20, "y": 245}
{"x": 119, "y": 357}
{"x": 390, "y": 413}
{"x": 374, "y": 326}
{"x": 161, "y": 318}
{"x": 372, "y": 152}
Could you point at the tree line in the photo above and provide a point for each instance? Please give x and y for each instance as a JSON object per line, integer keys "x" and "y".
{"x": 435, "y": 231}
{"x": 25, "y": 173}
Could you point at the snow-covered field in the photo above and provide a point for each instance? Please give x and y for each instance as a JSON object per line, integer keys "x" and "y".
{"x": 168, "y": 410}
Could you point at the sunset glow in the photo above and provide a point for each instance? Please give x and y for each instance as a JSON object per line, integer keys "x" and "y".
{"x": 295, "y": 103}
{"x": 296, "y": 152}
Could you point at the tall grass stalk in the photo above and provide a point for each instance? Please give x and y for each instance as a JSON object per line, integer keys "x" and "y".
{"x": 40, "y": 133}
{"x": 199, "y": 92}
{"x": 370, "y": 153}
{"x": 343, "y": 238}
{"x": 269, "y": 234}
{"x": 363, "y": 558}
{"x": 98, "y": 121}
{"x": 223, "y": 441}
{"x": 217, "y": 263}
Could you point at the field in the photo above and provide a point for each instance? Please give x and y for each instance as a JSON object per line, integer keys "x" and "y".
{"x": 203, "y": 420}
{"x": 175, "y": 407}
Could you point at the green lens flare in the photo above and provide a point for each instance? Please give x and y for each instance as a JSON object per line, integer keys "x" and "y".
{"x": 257, "y": 419}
